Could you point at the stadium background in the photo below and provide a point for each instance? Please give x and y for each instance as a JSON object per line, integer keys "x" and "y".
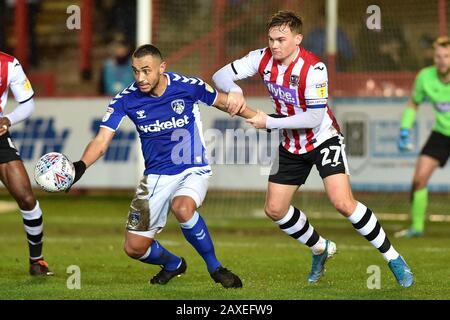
{"x": 369, "y": 85}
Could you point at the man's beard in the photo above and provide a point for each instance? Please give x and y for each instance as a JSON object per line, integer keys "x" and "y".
{"x": 446, "y": 72}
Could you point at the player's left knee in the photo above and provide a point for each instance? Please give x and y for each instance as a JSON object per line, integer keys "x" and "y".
{"x": 27, "y": 202}
{"x": 419, "y": 183}
{"x": 274, "y": 210}
{"x": 134, "y": 252}
{"x": 345, "y": 207}
{"x": 182, "y": 211}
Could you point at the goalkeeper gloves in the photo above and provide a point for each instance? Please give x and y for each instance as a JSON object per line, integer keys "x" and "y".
{"x": 404, "y": 141}
{"x": 80, "y": 168}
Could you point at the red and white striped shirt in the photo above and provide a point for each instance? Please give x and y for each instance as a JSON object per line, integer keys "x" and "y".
{"x": 12, "y": 76}
{"x": 293, "y": 89}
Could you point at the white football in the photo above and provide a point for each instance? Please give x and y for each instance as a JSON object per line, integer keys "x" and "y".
{"x": 54, "y": 172}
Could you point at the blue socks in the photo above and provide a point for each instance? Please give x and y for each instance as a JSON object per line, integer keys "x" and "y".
{"x": 157, "y": 254}
{"x": 196, "y": 233}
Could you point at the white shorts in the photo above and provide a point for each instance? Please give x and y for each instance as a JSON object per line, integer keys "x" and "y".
{"x": 150, "y": 206}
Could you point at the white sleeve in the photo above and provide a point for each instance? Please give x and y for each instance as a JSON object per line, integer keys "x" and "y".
{"x": 19, "y": 84}
{"x": 316, "y": 91}
{"x": 21, "y": 112}
{"x": 246, "y": 67}
{"x": 306, "y": 120}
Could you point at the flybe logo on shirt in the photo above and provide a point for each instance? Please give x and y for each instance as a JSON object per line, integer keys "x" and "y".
{"x": 284, "y": 94}
{"x": 160, "y": 126}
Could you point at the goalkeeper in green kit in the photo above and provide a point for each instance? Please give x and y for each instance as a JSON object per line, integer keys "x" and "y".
{"x": 432, "y": 83}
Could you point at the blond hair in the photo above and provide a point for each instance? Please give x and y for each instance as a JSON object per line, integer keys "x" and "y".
{"x": 443, "y": 41}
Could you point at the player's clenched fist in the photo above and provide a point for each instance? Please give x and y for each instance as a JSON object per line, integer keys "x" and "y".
{"x": 235, "y": 103}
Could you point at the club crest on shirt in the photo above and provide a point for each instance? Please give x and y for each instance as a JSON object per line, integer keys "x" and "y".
{"x": 133, "y": 219}
{"x": 293, "y": 81}
{"x": 178, "y": 105}
{"x": 141, "y": 114}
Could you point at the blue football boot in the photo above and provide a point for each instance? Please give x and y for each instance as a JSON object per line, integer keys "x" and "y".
{"x": 401, "y": 271}
{"x": 318, "y": 262}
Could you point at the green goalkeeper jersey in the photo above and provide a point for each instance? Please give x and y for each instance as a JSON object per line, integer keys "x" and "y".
{"x": 428, "y": 85}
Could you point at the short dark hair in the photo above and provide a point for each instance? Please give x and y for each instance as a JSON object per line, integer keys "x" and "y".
{"x": 289, "y": 18}
{"x": 147, "y": 50}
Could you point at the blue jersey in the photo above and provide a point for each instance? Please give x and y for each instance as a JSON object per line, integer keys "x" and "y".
{"x": 169, "y": 126}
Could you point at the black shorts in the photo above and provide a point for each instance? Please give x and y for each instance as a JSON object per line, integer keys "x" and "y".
{"x": 437, "y": 147}
{"x": 8, "y": 151}
{"x": 294, "y": 169}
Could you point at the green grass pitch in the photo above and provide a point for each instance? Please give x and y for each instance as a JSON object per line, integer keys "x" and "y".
{"x": 88, "y": 231}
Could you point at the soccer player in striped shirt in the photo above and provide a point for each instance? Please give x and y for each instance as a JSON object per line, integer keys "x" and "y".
{"x": 433, "y": 83}
{"x": 12, "y": 171}
{"x": 297, "y": 83}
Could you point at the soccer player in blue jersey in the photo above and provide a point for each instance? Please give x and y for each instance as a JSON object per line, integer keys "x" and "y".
{"x": 164, "y": 107}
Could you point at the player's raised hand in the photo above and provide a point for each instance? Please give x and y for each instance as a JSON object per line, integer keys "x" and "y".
{"x": 259, "y": 120}
{"x": 4, "y": 125}
{"x": 404, "y": 141}
{"x": 235, "y": 103}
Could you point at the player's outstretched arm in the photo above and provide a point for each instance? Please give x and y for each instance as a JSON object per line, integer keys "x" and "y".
{"x": 305, "y": 120}
{"x": 222, "y": 103}
{"x": 94, "y": 151}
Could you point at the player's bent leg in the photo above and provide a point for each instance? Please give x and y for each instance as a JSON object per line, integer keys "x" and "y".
{"x": 183, "y": 208}
{"x": 294, "y": 223}
{"x": 147, "y": 218}
{"x": 136, "y": 245}
{"x": 366, "y": 223}
{"x": 34, "y": 226}
{"x": 278, "y": 200}
{"x": 196, "y": 232}
{"x": 424, "y": 169}
{"x": 15, "y": 178}
{"x": 148, "y": 250}
{"x": 337, "y": 187}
